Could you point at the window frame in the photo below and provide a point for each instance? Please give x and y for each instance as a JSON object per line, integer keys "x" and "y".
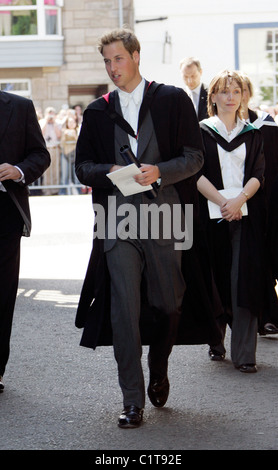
{"x": 40, "y": 8}
{"x": 25, "y": 93}
{"x": 267, "y": 25}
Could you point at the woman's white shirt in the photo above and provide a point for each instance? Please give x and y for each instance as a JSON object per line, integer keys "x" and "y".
{"x": 231, "y": 163}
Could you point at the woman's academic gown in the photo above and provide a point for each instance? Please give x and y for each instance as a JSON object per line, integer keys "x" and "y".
{"x": 252, "y": 246}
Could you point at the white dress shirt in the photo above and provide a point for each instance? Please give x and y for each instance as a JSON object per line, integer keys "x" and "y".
{"x": 195, "y": 96}
{"x": 130, "y": 104}
{"x": 231, "y": 163}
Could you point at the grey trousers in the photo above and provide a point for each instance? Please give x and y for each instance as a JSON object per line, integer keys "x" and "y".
{"x": 244, "y": 323}
{"x": 129, "y": 262}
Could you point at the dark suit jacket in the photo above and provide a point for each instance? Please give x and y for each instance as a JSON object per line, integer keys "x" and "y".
{"x": 22, "y": 145}
{"x": 177, "y": 131}
{"x": 202, "y": 107}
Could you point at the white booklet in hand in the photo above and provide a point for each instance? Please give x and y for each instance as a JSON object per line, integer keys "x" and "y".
{"x": 214, "y": 209}
{"x": 124, "y": 180}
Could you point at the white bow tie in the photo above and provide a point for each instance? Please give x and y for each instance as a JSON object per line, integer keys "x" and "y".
{"x": 125, "y": 98}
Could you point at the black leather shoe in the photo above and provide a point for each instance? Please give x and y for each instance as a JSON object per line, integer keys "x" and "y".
{"x": 216, "y": 356}
{"x": 1, "y": 384}
{"x": 269, "y": 329}
{"x": 131, "y": 417}
{"x": 248, "y": 368}
{"x": 158, "y": 391}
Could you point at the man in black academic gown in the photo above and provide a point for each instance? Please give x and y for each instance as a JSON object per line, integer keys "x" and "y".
{"x": 133, "y": 277}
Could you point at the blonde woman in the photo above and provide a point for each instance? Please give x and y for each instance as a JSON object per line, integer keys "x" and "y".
{"x": 233, "y": 210}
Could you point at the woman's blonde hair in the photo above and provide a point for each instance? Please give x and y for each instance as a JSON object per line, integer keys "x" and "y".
{"x": 244, "y": 77}
{"x": 219, "y": 83}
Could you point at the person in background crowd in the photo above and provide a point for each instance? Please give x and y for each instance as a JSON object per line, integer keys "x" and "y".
{"x": 231, "y": 178}
{"x": 23, "y": 159}
{"x": 79, "y": 113}
{"x": 52, "y": 134}
{"x": 62, "y": 117}
{"x": 268, "y": 323}
{"x": 70, "y": 132}
{"x": 192, "y": 73}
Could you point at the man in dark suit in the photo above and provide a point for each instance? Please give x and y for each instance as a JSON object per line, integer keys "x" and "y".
{"x": 131, "y": 269}
{"x": 192, "y": 73}
{"x": 23, "y": 159}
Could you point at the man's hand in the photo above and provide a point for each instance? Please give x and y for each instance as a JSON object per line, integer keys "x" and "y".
{"x": 149, "y": 174}
{"x": 9, "y": 172}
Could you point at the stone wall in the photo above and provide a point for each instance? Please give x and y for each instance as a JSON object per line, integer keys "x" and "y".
{"x": 83, "y": 21}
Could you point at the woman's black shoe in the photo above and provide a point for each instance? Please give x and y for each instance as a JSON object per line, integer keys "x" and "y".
{"x": 248, "y": 368}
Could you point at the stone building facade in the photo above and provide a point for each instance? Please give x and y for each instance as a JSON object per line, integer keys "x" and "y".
{"x": 81, "y": 76}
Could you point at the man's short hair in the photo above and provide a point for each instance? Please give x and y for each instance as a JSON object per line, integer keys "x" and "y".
{"x": 188, "y": 61}
{"x": 125, "y": 35}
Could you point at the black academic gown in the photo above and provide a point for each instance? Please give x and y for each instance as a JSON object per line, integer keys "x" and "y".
{"x": 252, "y": 247}
{"x": 270, "y": 141}
{"x": 269, "y": 131}
{"x": 272, "y": 233}
{"x": 176, "y": 127}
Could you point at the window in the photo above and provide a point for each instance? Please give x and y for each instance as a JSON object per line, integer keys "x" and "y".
{"x": 51, "y": 25}
{"x": 18, "y": 86}
{"x": 256, "y": 48}
{"x": 85, "y": 94}
{"x": 30, "y": 17}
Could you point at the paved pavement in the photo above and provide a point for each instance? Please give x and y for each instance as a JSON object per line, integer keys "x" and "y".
{"x": 60, "y": 396}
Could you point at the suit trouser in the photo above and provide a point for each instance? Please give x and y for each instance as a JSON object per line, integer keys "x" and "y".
{"x": 244, "y": 324}
{"x": 129, "y": 262}
{"x": 10, "y": 235}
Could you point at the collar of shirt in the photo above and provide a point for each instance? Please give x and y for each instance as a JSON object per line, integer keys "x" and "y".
{"x": 136, "y": 95}
{"x": 130, "y": 104}
{"x": 196, "y": 90}
{"x": 220, "y": 126}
